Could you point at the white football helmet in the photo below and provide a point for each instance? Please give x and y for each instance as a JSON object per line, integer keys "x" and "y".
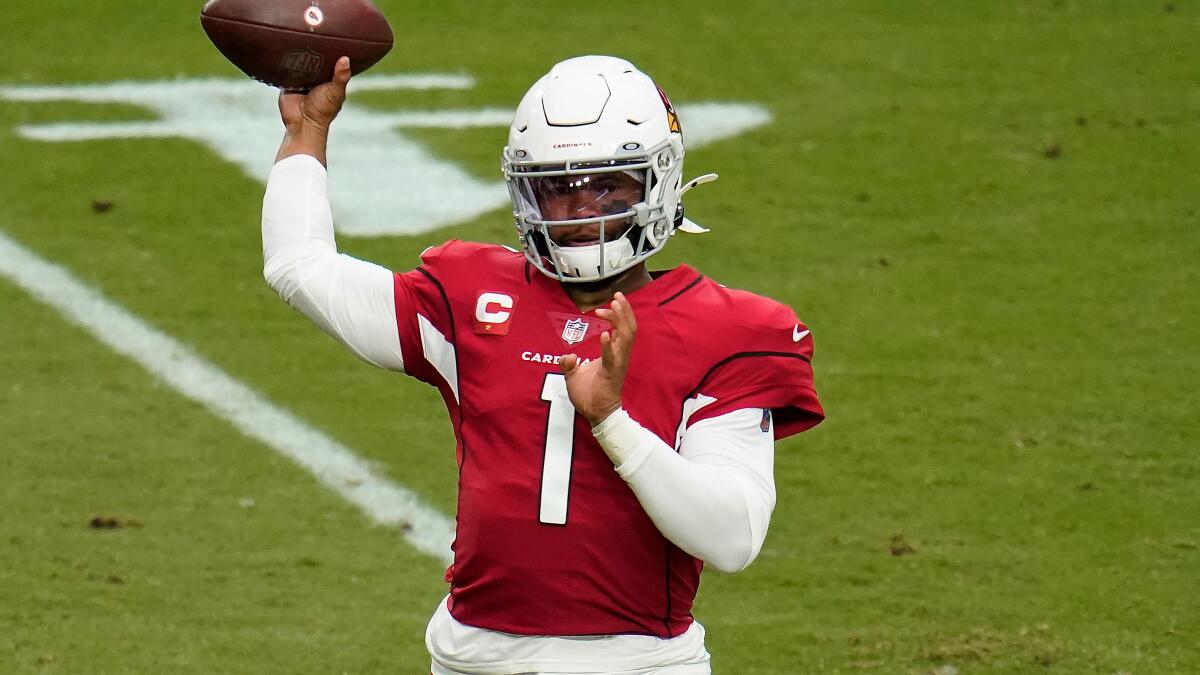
{"x": 598, "y": 133}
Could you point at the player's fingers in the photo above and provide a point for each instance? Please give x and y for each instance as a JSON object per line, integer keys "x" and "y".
{"x": 630, "y": 319}
{"x": 341, "y": 72}
{"x": 568, "y": 363}
{"x": 614, "y": 316}
{"x": 606, "y": 314}
{"x": 623, "y": 314}
{"x": 327, "y": 98}
{"x": 623, "y": 333}
{"x": 291, "y": 108}
{"x": 288, "y": 101}
{"x": 618, "y": 315}
{"x": 608, "y": 357}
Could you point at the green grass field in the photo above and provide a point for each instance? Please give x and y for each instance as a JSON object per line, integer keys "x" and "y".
{"x": 986, "y": 212}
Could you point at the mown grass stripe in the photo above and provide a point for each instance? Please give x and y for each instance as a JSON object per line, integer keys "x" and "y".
{"x": 332, "y": 463}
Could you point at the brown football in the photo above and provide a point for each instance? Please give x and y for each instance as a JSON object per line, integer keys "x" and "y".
{"x": 294, "y": 44}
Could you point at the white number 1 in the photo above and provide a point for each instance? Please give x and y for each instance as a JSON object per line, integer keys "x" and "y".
{"x": 560, "y": 441}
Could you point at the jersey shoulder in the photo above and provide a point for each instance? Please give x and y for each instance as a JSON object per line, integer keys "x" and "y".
{"x": 456, "y": 262}
{"x": 741, "y": 320}
{"x": 458, "y": 252}
{"x": 754, "y": 352}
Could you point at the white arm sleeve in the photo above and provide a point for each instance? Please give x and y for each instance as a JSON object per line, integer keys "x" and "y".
{"x": 352, "y": 300}
{"x": 714, "y": 497}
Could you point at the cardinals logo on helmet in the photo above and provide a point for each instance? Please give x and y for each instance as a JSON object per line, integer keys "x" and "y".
{"x": 672, "y": 118}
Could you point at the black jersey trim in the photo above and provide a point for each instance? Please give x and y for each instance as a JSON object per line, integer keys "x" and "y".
{"x": 696, "y": 390}
{"x": 454, "y": 343}
{"x": 460, "y": 436}
{"x": 445, "y": 301}
{"x": 740, "y": 355}
{"x": 685, "y": 289}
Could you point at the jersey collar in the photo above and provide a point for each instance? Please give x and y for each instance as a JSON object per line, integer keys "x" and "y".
{"x": 665, "y": 286}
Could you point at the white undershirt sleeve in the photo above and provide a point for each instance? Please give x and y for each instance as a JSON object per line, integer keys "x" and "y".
{"x": 350, "y": 299}
{"x": 714, "y": 497}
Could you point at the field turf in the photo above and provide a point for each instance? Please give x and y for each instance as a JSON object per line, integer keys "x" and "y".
{"x": 985, "y": 212}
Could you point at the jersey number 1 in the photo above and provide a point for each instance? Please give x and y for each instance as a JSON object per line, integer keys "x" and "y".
{"x": 560, "y": 444}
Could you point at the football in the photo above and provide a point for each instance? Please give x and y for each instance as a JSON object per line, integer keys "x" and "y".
{"x": 294, "y": 44}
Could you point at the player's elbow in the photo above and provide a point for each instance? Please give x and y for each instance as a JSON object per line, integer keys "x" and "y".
{"x": 280, "y": 276}
{"x": 744, "y": 540}
{"x": 297, "y": 267}
{"x": 736, "y": 549}
{"x": 731, "y": 558}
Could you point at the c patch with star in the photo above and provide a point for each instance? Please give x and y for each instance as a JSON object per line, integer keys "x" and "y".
{"x": 493, "y": 313}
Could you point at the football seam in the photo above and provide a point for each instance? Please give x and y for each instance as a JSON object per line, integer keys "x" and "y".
{"x": 291, "y": 30}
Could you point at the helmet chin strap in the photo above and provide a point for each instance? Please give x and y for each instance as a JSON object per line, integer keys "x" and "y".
{"x": 686, "y": 224}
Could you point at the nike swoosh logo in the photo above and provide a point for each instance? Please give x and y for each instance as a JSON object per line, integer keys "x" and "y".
{"x": 797, "y": 334}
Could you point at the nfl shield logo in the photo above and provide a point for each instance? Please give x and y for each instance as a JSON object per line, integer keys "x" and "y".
{"x": 301, "y": 62}
{"x": 574, "y": 331}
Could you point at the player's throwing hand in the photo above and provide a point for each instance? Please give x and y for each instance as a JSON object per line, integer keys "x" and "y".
{"x": 307, "y": 116}
{"x": 319, "y": 106}
{"x": 595, "y": 387}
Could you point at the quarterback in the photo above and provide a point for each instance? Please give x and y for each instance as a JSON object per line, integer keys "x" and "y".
{"x": 615, "y": 426}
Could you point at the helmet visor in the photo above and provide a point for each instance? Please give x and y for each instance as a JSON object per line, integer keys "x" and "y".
{"x": 588, "y": 195}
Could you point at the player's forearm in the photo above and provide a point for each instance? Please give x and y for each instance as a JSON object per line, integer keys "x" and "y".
{"x": 351, "y": 300}
{"x": 715, "y": 499}
{"x": 305, "y": 138}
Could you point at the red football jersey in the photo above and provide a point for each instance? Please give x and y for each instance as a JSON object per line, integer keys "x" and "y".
{"x": 550, "y": 540}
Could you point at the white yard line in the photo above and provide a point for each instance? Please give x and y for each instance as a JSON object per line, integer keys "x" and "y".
{"x": 332, "y": 463}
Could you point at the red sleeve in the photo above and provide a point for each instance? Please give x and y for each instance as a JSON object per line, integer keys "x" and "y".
{"x": 781, "y": 382}
{"x": 773, "y": 370}
{"x": 423, "y": 315}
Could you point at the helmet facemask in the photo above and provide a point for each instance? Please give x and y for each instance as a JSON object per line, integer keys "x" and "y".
{"x": 589, "y": 219}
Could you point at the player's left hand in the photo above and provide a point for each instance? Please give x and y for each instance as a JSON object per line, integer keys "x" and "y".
{"x": 595, "y": 387}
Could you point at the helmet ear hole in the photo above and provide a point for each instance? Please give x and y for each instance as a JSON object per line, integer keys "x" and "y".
{"x": 658, "y": 233}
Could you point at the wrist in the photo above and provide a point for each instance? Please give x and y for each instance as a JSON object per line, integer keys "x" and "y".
{"x": 597, "y": 420}
{"x": 303, "y": 138}
{"x": 626, "y": 442}
{"x": 307, "y": 127}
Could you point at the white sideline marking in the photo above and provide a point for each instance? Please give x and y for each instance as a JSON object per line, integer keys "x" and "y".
{"x": 332, "y": 463}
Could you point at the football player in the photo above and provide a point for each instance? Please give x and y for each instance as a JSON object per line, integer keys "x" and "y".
{"x": 615, "y": 426}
